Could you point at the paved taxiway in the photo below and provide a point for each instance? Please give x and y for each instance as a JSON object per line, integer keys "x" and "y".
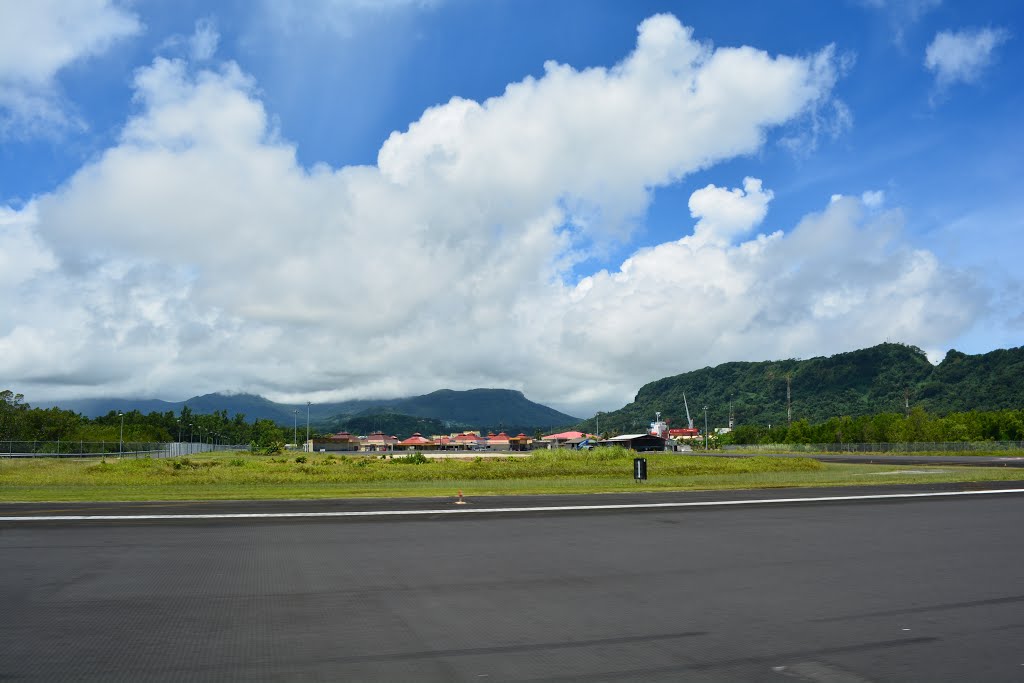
{"x": 895, "y": 459}
{"x": 899, "y": 589}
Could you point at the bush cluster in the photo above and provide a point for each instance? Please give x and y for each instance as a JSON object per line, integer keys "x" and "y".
{"x": 412, "y": 459}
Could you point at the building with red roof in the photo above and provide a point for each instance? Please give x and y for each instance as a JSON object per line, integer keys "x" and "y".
{"x": 378, "y": 441}
{"x": 498, "y": 441}
{"x": 416, "y": 441}
{"x": 342, "y": 441}
{"x": 565, "y": 438}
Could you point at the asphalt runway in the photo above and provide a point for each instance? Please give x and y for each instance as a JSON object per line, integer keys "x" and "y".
{"x": 895, "y": 459}
{"x": 843, "y": 591}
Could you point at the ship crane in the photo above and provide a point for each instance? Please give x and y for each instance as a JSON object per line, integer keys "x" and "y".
{"x": 689, "y": 420}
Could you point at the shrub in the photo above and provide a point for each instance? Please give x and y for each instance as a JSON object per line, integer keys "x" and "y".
{"x": 237, "y": 462}
{"x": 301, "y": 459}
{"x": 268, "y": 449}
{"x": 189, "y": 464}
{"x": 413, "y": 459}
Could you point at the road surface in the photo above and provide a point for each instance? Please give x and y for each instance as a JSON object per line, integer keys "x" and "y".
{"x": 894, "y": 459}
{"x": 867, "y": 590}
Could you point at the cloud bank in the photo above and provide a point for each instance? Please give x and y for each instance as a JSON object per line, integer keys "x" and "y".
{"x": 196, "y": 254}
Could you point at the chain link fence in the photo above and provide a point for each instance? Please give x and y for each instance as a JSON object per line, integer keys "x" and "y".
{"x": 126, "y": 449}
{"x": 895, "y": 447}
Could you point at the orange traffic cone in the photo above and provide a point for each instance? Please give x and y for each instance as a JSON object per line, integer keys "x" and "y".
{"x": 460, "y": 501}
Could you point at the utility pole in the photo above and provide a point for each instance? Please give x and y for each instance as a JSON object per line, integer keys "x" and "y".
{"x": 295, "y": 426}
{"x": 120, "y": 441}
{"x": 906, "y": 401}
{"x": 705, "y": 427}
{"x": 307, "y": 424}
{"x": 789, "y": 398}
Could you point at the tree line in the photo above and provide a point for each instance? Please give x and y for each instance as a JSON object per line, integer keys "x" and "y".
{"x": 914, "y": 427}
{"x": 19, "y": 421}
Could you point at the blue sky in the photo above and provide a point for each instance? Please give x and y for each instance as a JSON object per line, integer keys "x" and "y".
{"x": 286, "y": 198}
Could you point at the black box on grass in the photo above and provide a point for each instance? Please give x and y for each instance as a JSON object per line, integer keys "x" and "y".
{"x": 640, "y": 469}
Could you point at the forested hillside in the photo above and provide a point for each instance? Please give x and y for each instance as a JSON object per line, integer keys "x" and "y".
{"x": 20, "y": 421}
{"x": 917, "y": 427}
{"x": 991, "y": 381}
{"x": 393, "y": 424}
{"x": 402, "y": 425}
{"x": 483, "y": 409}
{"x": 473, "y": 408}
{"x": 888, "y": 378}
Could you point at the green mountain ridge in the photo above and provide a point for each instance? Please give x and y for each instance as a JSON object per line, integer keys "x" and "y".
{"x": 391, "y": 423}
{"x": 881, "y": 379}
{"x": 473, "y": 408}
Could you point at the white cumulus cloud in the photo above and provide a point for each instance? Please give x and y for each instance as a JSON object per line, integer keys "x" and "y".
{"x": 725, "y": 214}
{"x": 873, "y": 199}
{"x": 962, "y": 56}
{"x": 37, "y": 40}
{"x": 22, "y": 254}
{"x": 840, "y": 279}
{"x": 203, "y": 43}
{"x": 196, "y": 254}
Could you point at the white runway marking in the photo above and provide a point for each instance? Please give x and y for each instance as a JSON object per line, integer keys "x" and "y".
{"x": 889, "y": 474}
{"x": 471, "y": 510}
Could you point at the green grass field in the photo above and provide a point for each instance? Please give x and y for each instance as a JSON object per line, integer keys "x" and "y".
{"x": 240, "y": 476}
